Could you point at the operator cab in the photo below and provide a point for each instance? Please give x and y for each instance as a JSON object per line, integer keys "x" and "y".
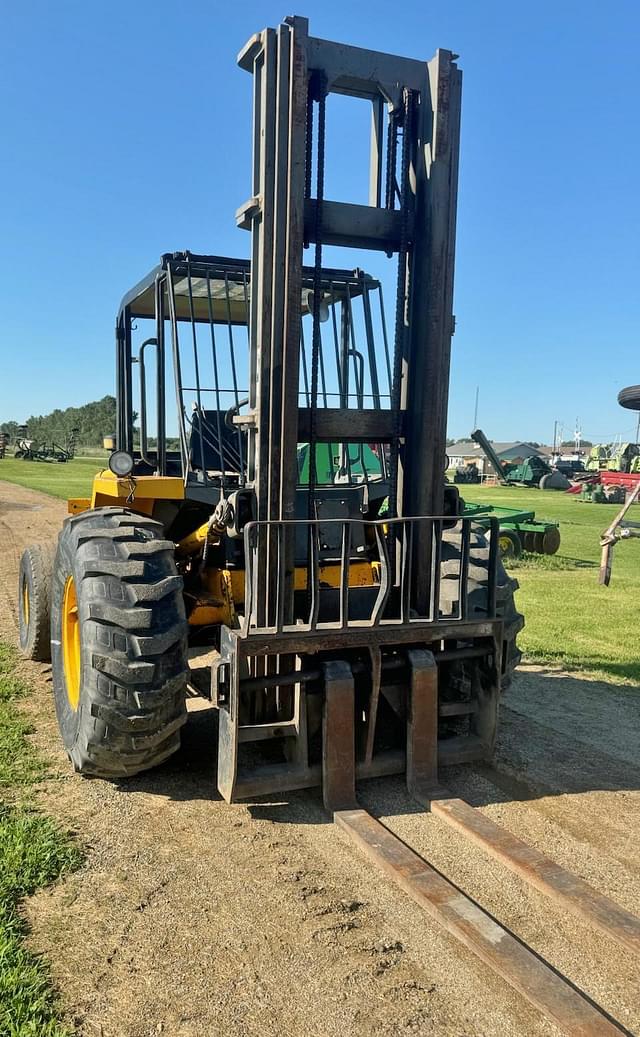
{"x": 187, "y": 401}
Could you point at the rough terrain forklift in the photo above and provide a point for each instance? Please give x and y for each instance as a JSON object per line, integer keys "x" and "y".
{"x": 294, "y": 552}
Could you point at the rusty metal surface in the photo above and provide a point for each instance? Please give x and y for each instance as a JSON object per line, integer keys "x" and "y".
{"x": 422, "y": 720}
{"x": 327, "y": 636}
{"x": 563, "y": 886}
{"x": 479, "y": 932}
{"x": 338, "y": 738}
{"x": 339, "y": 539}
{"x": 375, "y": 656}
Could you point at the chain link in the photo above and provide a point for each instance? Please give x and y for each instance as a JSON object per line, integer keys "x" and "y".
{"x": 318, "y": 94}
{"x": 401, "y": 295}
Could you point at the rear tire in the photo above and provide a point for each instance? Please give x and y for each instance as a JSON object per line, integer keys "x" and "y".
{"x": 477, "y": 592}
{"x": 630, "y": 397}
{"x": 119, "y": 643}
{"x": 34, "y": 601}
{"x": 554, "y": 481}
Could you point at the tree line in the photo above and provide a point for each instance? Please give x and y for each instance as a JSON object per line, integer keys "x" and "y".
{"x": 93, "y": 421}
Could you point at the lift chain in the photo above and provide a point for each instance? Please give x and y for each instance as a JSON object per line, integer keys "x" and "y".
{"x": 392, "y": 151}
{"x": 317, "y": 93}
{"x": 401, "y": 293}
{"x": 308, "y": 162}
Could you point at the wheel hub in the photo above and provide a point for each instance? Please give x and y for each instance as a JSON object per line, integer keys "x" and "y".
{"x": 71, "y": 643}
{"x": 25, "y": 602}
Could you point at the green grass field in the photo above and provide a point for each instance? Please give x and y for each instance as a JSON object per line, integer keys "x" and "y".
{"x": 71, "y": 479}
{"x": 570, "y": 618}
{"x": 33, "y": 854}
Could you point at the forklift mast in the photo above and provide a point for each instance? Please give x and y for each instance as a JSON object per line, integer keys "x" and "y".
{"x": 357, "y": 593}
{"x": 413, "y": 172}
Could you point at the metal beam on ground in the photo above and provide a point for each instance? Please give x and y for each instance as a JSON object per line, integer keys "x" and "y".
{"x": 540, "y": 871}
{"x": 527, "y": 973}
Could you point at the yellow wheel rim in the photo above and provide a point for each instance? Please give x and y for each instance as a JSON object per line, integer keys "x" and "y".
{"x": 71, "y": 643}
{"x": 25, "y": 602}
{"x": 506, "y": 545}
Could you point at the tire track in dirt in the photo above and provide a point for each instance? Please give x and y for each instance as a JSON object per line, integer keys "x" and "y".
{"x": 25, "y": 516}
{"x": 10, "y": 561}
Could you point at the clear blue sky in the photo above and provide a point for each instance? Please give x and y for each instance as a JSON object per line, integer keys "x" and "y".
{"x": 125, "y": 131}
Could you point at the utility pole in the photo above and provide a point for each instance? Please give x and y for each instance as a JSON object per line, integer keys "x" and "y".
{"x": 475, "y": 412}
{"x": 555, "y": 437}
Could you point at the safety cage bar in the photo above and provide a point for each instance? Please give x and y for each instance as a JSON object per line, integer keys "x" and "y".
{"x": 200, "y": 305}
{"x": 386, "y": 547}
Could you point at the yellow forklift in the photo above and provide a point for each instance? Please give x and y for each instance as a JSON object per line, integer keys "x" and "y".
{"x": 275, "y": 530}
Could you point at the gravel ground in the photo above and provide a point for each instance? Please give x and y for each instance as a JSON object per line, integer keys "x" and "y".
{"x": 192, "y": 917}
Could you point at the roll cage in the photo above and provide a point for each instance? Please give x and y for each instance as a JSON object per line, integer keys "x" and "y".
{"x": 199, "y": 308}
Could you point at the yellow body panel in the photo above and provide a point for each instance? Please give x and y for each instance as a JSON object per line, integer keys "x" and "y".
{"x": 77, "y": 504}
{"x": 217, "y": 606}
{"x": 224, "y": 588}
{"x": 147, "y": 489}
{"x": 361, "y": 574}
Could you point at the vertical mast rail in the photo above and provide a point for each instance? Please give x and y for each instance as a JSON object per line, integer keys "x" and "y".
{"x": 161, "y": 404}
{"x": 430, "y": 309}
{"x": 411, "y": 214}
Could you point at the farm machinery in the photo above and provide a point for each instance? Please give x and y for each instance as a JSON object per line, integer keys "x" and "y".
{"x": 532, "y": 471}
{"x": 34, "y": 450}
{"x": 299, "y": 559}
{"x": 468, "y": 474}
{"x": 621, "y": 457}
{"x": 613, "y": 470}
{"x": 518, "y": 529}
{"x": 623, "y": 528}
{"x": 595, "y": 491}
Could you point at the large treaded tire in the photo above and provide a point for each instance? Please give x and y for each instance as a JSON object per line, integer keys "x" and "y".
{"x": 477, "y": 592}
{"x": 630, "y": 397}
{"x": 133, "y": 643}
{"x": 34, "y": 601}
{"x": 554, "y": 481}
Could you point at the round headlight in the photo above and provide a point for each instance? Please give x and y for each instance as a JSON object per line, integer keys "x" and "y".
{"x": 121, "y": 463}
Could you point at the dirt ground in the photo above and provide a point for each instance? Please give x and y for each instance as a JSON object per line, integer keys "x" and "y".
{"x": 191, "y": 917}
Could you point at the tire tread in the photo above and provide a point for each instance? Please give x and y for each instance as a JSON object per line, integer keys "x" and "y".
{"x": 134, "y": 643}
